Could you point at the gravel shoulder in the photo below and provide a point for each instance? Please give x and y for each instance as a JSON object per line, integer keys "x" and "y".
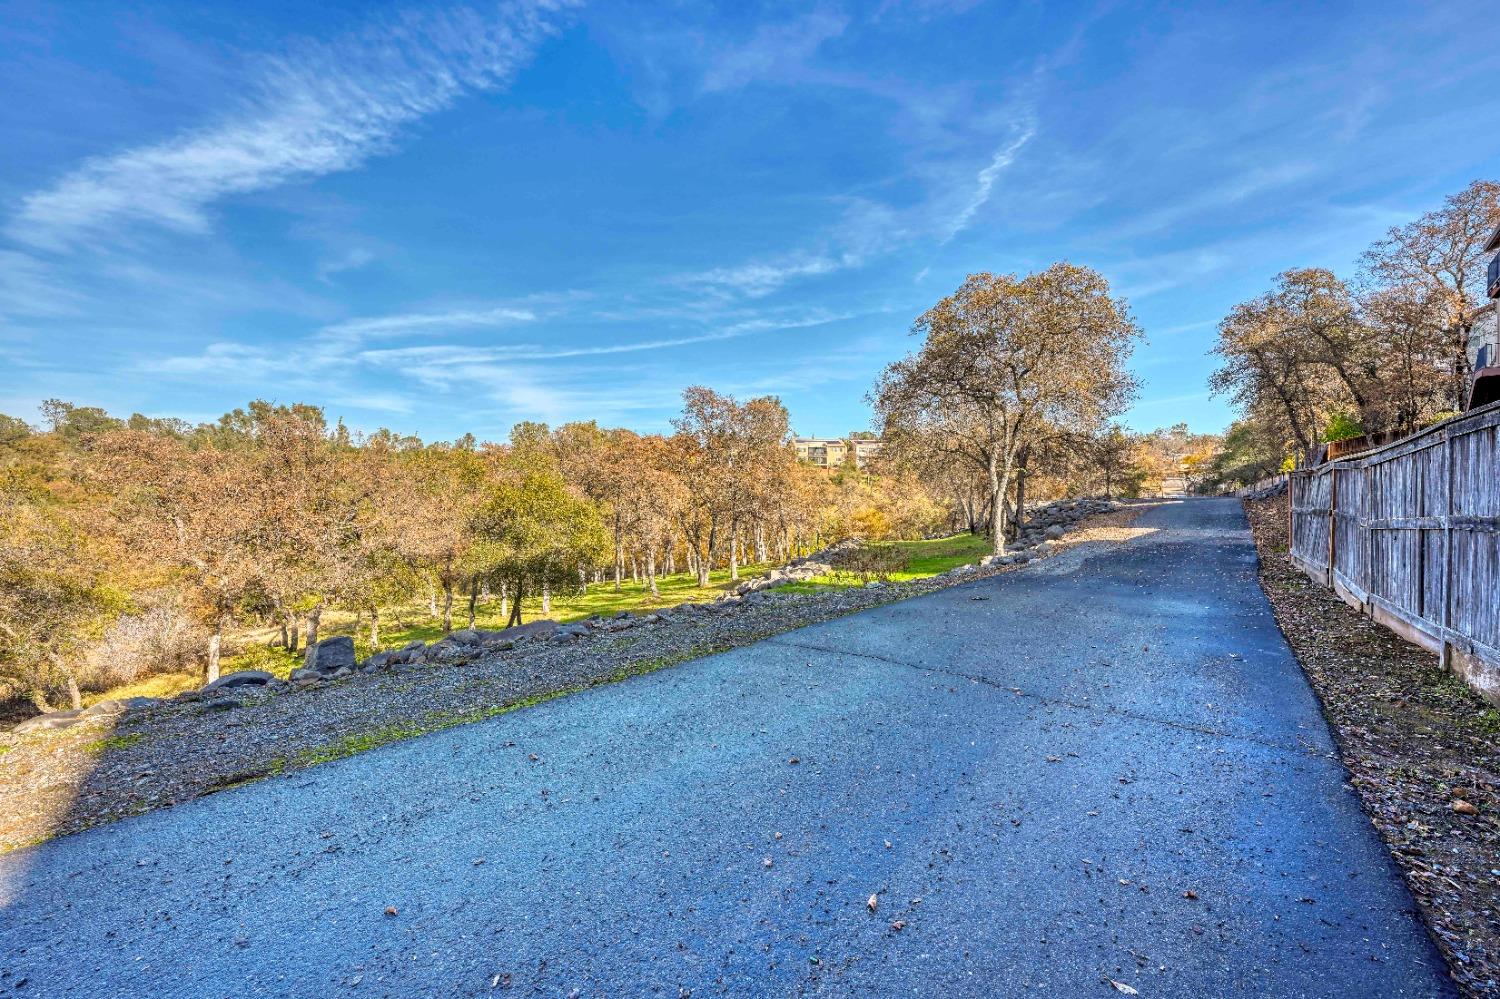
{"x": 60, "y": 782}
{"x": 1418, "y": 744}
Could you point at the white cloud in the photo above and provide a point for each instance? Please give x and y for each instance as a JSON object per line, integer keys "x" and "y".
{"x": 984, "y": 182}
{"x": 321, "y": 109}
{"x": 763, "y": 277}
{"x": 775, "y": 52}
{"x": 417, "y": 322}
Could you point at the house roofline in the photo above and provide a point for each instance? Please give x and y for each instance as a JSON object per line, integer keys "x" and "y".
{"x": 1494, "y": 241}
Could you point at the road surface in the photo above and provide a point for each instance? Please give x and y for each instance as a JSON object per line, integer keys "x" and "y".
{"x": 1104, "y": 768}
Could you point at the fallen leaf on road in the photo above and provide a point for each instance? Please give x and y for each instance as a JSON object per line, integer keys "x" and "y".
{"x": 767, "y": 863}
{"x": 1190, "y": 894}
{"x": 899, "y": 925}
{"x": 793, "y": 761}
{"x": 390, "y": 910}
{"x": 1122, "y": 987}
{"x": 873, "y": 903}
{"x": 1463, "y": 807}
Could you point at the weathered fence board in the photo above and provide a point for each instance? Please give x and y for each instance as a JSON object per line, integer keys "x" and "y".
{"x": 1410, "y": 534}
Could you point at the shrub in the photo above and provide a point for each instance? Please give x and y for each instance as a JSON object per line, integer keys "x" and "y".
{"x": 160, "y": 639}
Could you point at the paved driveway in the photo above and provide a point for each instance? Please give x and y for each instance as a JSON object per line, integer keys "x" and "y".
{"x": 1103, "y": 767}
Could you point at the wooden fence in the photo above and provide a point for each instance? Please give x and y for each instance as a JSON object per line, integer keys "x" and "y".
{"x": 1410, "y": 534}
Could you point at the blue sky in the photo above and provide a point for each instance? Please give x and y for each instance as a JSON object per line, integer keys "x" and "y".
{"x": 446, "y": 219}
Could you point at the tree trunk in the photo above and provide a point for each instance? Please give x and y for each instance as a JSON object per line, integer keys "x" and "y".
{"x": 619, "y": 559}
{"x": 1021, "y": 489}
{"x": 214, "y": 642}
{"x": 651, "y": 571}
{"x": 296, "y": 635}
{"x": 473, "y": 602}
{"x": 546, "y": 598}
{"x": 285, "y": 641}
{"x": 504, "y": 599}
{"x": 314, "y": 619}
{"x": 999, "y": 486}
{"x": 75, "y": 698}
{"x": 374, "y": 627}
{"x": 734, "y": 555}
{"x": 447, "y": 608}
{"x": 515, "y": 608}
{"x": 431, "y": 600}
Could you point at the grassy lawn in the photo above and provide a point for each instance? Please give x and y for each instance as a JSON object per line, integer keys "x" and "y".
{"x": 414, "y": 622}
{"x": 896, "y": 561}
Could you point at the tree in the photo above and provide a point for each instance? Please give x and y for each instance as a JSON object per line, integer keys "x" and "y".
{"x": 1003, "y": 357}
{"x": 54, "y": 593}
{"x": 535, "y": 534}
{"x": 1440, "y": 256}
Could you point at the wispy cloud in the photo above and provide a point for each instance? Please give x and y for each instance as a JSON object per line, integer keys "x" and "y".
{"x": 416, "y": 322}
{"x": 760, "y": 278}
{"x": 984, "y": 182}
{"x": 321, "y": 109}
{"x": 774, "y": 52}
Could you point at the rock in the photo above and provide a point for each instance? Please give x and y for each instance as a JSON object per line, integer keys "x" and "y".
{"x": 1021, "y": 558}
{"x": 874, "y": 584}
{"x": 331, "y": 654}
{"x": 306, "y": 676}
{"x": 1054, "y": 532}
{"x": 538, "y": 630}
{"x": 242, "y": 678}
{"x": 109, "y": 708}
{"x": 47, "y": 722}
{"x": 465, "y": 636}
{"x": 221, "y": 704}
{"x": 378, "y": 660}
{"x": 134, "y": 704}
{"x": 569, "y": 632}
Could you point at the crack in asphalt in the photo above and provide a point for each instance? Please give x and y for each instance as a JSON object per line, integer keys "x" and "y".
{"x": 1299, "y": 748}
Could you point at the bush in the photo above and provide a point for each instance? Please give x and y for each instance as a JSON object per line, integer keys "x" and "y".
{"x": 160, "y": 639}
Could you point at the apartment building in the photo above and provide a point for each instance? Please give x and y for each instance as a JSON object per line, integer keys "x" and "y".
{"x": 832, "y": 452}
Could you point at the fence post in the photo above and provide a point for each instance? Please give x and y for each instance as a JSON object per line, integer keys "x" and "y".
{"x": 1445, "y": 655}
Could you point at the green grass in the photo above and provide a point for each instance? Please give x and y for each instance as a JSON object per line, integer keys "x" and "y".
{"x": 99, "y": 746}
{"x": 908, "y": 560}
{"x": 416, "y": 622}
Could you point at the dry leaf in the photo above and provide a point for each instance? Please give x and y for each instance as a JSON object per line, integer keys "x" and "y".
{"x": 899, "y": 925}
{"x": 390, "y": 910}
{"x": 873, "y": 903}
{"x": 1190, "y": 894}
{"x": 1122, "y": 987}
{"x": 1463, "y": 807}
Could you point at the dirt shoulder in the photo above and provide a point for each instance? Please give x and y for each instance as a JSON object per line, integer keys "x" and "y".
{"x": 1417, "y": 742}
{"x": 54, "y": 783}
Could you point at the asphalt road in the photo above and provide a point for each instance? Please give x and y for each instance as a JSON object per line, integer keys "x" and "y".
{"x": 1100, "y": 768}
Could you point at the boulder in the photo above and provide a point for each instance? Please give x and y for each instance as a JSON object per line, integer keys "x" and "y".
{"x": 331, "y": 654}
{"x": 242, "y": 678}
{"x": 305, "y": 676}
{"x": 1054, "y": 532}
{"x": 49, "y": 721}
{"x": 221, "y": 704}
{"x": 108, "y": 708}
{"x": 539, "y": 630}
{"x": 378, "y": 660}
{"x": 569, "y": 632}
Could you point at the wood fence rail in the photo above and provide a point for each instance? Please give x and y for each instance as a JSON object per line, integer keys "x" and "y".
{"x": 1410, "y": 535}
